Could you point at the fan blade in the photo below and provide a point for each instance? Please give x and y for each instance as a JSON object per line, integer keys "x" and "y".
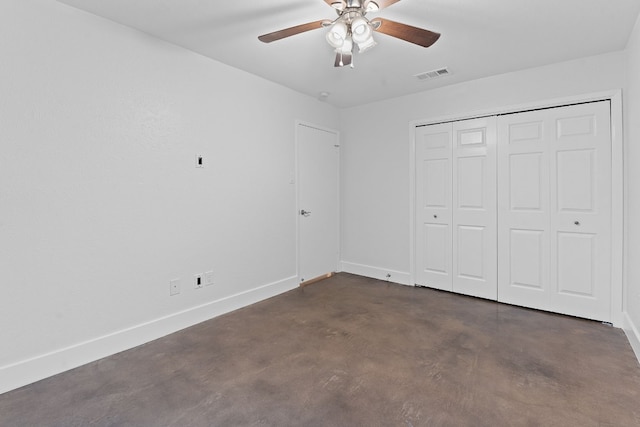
{"x": 424, "y": 38}
{"x": 382, "y": 3}
{"x": 287, "y": 32}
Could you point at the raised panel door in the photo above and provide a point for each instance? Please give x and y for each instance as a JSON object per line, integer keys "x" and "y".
{"x": 580, "y": 223}
{"x": 523, "y": 209}
{"x": 433, "y": 206}
{"x": 474, "y": 208}
{"x": 554, "y": 233}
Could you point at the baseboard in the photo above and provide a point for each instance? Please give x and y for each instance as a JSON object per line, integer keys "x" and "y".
{"x": 37, "y": 368}
{"x": 633, "y": 334}
{"x": 399, "y": 277}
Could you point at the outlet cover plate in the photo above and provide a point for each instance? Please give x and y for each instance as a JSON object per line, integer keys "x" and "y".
{"x": 208, "y": 278}
{"x": 174, "y": 287}
{"x": 197, "y": 281}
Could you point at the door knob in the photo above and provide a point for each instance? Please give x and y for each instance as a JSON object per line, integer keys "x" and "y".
{"x": 435, "y": 216}
{"x": 576, "y": 222}
{"x": 305, "y": 213}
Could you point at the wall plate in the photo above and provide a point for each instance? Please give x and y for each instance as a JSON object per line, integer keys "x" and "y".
{"x": 208, "y": 278}
{"x": 197, "y": 281}
{"x": 174, "y": 287}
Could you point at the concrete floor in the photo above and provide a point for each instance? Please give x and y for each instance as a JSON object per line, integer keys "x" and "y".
{"x": 352, "y": 351}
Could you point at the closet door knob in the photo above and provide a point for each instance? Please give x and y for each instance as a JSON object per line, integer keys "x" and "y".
{"x": 576, "y": 222}
{"x": 435, "y": 216}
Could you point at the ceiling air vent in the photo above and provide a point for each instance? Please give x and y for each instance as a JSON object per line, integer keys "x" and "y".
{"x": 433, "y": 74}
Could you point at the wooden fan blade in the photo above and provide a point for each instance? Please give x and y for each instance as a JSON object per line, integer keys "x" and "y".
{"x": 287, "y": 32}
{"x": 419, "y": 36}
{"x": 382, "y": 3}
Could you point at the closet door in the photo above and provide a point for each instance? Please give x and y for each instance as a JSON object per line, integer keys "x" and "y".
{"x": 555, "y": 210}
{"x": 456, "y": 207}
{"x": 581, "y": 206}
{"x": 523, "y": 208}
{"x": 474, "y": 208}
{"x": 433, "y": 206}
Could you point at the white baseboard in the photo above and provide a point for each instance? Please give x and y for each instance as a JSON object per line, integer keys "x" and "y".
{"x": 399, "y": 277}
{"x": 633, "y": 334}
{"x": 40, "y": 367}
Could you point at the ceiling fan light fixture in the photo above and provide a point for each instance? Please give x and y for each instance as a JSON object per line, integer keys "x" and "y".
{"x": 372, "y": 6}
{"x": 337, "y": 35}
{"x": 360, "y": 30}
{"x": 366, "y": 45}
{"x": 346, "y": 47}
{"x": 352, "y": 27}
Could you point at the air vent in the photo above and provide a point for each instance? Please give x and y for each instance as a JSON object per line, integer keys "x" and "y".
{"x": 433, "y": 74}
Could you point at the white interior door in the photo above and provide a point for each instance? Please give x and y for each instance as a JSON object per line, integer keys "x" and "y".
{"x": 474, "y": 208}
{"x": 456, "y": 207}
{"x": 318, "y": 161}
{"x": 555, "y": 210}
{"x": 523, "y": 208}
{"x": 581, "y": 203}
{"x": 433, "y": 206}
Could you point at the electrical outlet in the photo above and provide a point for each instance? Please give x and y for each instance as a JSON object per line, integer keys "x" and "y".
{"x": 174, "y": 287}
{"x": 197, "y": 281}
{"x": 208, "y": 278}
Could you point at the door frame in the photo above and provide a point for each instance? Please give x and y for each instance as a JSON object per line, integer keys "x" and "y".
{"x": 618, "y": 182}
{"x": 296, "y": 181}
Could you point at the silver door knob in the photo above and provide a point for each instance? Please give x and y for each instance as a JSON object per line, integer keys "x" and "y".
{"x": 305, "y": 213}
{"x": 435, "y": 216}
{"x": 576, "y": 222}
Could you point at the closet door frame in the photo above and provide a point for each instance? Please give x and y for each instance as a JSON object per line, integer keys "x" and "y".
{"x": 618, "y": 183}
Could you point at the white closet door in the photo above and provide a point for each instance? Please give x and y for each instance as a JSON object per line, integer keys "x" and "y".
{"x": 433, "y": 206}
{"x": 555, "y": 210}
{"x": 474, "y": 208}
{"x": 456, "y": 207}
{"x": 523, "y": 208}
{"x": 581, "y": 206}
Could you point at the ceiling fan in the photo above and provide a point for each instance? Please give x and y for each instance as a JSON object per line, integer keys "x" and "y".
{"x": 353, "y": 28}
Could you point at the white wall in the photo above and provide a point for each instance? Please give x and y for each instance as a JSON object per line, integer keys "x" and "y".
{"x": 632, "y": 125}
{"x": 376, "y": 144}
{"x": 100, "y": 202}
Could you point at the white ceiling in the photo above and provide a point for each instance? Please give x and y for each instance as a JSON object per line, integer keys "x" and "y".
{"x": 479, "y": 39}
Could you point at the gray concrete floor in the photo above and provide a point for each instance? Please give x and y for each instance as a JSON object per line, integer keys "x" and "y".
{"x": 352, "y": 351}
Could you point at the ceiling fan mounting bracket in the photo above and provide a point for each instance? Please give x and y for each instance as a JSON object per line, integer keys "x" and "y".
{"x": 349, "y": 15}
